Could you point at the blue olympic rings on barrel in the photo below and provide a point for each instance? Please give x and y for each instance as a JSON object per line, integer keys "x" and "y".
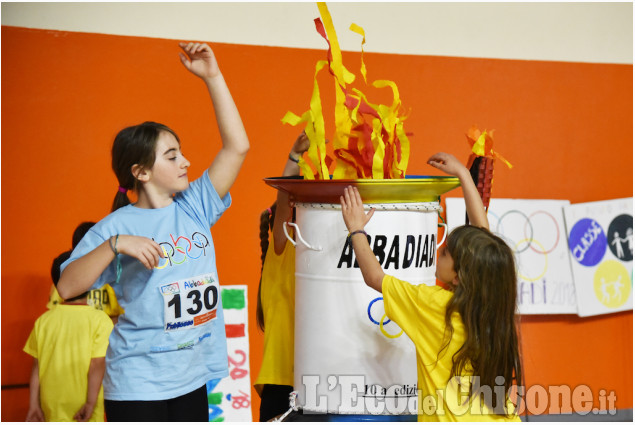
{"x": 382, "y": 323}
{"x": 370, "y": 316}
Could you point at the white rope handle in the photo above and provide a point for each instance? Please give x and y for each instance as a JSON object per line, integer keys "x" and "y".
{"x": 292, "y": 406}
{"x": 445, "y": 234}
{"x": 284, "y": 227}
{"x": 297, "y": 232}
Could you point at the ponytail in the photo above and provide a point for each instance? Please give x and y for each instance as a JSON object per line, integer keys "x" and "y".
{"x": 266, "y": 224}
{"x": 121, "y": 199}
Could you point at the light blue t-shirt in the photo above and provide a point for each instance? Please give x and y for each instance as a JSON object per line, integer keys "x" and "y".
{"x": 171, "y": 338}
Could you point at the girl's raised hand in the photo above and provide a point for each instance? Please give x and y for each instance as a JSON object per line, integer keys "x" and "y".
{"x": 199, "y": 59}
{"x": 301, "y": 144}
{"x": 447, "y": 163}
{"x": 473, "y": 202}
{"x": 147, "y": 251}
{"x": 353, "y": 210}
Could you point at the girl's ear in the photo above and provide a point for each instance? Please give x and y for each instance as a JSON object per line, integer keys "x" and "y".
{"x": 455, "y": 281}
{"x": 140, "y": 173}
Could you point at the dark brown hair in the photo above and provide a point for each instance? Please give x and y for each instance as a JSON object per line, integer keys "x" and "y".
{"x": 266, "y": 224}
{"x": 78, "y": 234}
{"x": 80, "y": 231}
{"x": 134, "y": 145}
{"x": 485, "y": 297}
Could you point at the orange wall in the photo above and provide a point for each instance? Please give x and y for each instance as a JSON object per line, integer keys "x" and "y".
{"x": 566, "y": 127}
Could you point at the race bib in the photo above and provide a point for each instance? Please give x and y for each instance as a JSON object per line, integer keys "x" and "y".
{"x": 189, "y": 303}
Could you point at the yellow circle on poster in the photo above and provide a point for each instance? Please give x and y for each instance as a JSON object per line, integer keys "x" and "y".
{"x": 612, "y": 284}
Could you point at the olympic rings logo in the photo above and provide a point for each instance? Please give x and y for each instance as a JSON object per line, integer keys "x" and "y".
{"x": 540, "y": 223}
{"x": 381, "y": 323}
{"x": 184, "y": 248}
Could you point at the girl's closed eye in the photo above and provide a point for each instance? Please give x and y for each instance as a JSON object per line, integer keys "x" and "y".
{"x": 176, "y": 155}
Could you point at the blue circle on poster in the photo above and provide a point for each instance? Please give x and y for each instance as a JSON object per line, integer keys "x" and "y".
{"x": 587, "y": 242}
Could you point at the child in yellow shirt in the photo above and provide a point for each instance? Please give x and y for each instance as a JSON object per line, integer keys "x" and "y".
{"x": 276, "y": 298}
{"x": 465, "y": 338}
{"x": 68, "y": 344}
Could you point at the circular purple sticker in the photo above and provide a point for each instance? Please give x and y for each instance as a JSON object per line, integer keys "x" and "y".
{"x": 587, "y": 242}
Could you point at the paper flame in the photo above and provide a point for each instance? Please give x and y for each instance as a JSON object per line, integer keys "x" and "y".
{"x": 370, "y": 141}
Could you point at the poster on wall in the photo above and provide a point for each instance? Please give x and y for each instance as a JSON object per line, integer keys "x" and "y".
{"x": 229, "y": 398}
{"x": 534, "y": 230}
{"x": 601, "y": 245}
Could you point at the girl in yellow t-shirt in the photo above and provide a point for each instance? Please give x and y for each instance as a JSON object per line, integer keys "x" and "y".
{"x": 276, "y": 298}
{"x": 468, "y": 362}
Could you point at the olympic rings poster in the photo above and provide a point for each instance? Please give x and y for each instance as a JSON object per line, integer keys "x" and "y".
{"x": 534, "y": 230}
{"x": 229, "y": 399}
{"x": 600, "y": 236}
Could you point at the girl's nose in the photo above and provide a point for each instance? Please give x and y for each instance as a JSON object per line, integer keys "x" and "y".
{"x": 185, "y": 163}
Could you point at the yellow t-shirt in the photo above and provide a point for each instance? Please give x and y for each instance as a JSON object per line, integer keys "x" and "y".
{"x": 64, "y": 340}
{"x": 420, "y": 311}
{"x": 103, "y": 298}
{"x": 277, "y": 294}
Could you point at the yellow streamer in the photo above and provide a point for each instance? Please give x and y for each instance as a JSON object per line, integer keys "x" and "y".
{"x": 359, "y": 125}
{"x": 359, "y": 30}
{"x": 337, "y": 66}
{"x": 380, "y": 150}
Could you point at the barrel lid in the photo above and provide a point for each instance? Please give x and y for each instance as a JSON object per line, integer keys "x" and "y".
{"x": 410, "y": 189}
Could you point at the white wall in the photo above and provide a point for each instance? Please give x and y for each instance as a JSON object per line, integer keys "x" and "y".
{"x": 579, "y": 32}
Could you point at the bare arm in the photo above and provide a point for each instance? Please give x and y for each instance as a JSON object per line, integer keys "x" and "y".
{"x": 35, "y": 413}
{"x": 200, "y": 60}
{"x": 473, "y": 203}
{"x": 355, "y": 219}
{"x": 283, "y": 209}
{"x": 95, "y": 378}
{"x": 80, "y": 275}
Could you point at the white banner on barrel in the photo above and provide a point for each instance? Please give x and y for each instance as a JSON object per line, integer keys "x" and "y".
{"x": 534, "y": 230}
{"x": 601, "y": 247}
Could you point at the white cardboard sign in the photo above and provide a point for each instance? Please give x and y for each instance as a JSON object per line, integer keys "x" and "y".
{"x": 534, "y": 230}
{"x": 600, "y": 238}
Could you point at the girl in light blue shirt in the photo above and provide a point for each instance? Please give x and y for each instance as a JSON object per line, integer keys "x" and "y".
{"x": 160, "y": 255}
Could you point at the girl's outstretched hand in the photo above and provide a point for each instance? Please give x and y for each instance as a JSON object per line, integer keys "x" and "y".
{"x": 301, "y": 144}
{"x": 353, "y": 210}
{"x": 199, "y": 59}
{"x": 473, "y": 203}
{"x": 447, "y": 163}
{"x": 147, "y": 251}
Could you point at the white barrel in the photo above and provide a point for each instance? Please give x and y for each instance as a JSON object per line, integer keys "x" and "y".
{"x": 345, "y": 362}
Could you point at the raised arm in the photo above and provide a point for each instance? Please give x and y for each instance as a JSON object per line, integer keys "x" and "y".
{"x": 199, "y": 59}
{"x": 283, "y": 209}
{"x": 473, "y": 203}
{"x": 356, "y": 219}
